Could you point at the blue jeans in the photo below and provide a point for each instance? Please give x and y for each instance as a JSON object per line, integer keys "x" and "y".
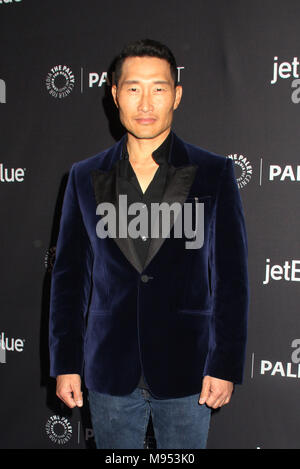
{"x": 120, "y": 422}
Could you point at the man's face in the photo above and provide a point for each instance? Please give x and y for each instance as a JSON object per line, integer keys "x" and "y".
{"x": 146, "y": 96}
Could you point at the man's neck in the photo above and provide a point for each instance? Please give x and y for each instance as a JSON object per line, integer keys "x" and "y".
{"x": 140, "y": 150}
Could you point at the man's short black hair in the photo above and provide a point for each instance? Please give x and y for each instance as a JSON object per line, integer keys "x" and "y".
{"x": 145, "y": 48}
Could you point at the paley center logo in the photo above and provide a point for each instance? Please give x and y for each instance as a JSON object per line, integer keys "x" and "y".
{"x": 59, "y": 429}
{"x": 9, "y": 345}
{"x": 162, "y": 214}
{"x": 283, "y": 70}
{"x": 60, "y": 81}
{"x": 245, "y": 169}
{"x": 50, "y": 258}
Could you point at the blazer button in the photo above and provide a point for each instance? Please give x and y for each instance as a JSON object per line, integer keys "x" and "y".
{"x": 145, "y": 278}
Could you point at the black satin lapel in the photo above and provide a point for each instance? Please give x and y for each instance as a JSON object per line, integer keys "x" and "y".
{"x": 126, "y": 244}
{"x": 179, "y": 182}
{"x": 105, "y": 184}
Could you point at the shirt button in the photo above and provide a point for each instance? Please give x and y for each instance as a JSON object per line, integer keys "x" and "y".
{"x": 144, "y": 238}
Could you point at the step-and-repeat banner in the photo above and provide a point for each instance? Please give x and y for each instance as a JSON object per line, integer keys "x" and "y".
{"x": 238, "y": 63}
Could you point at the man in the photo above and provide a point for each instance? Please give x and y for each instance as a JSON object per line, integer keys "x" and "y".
{"x": 153, "y": 324}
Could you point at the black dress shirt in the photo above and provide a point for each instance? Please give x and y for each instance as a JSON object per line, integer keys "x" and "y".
{"x": 129, "y": 185}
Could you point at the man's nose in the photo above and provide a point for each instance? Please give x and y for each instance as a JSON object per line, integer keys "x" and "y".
{"x": 145, "y": 104}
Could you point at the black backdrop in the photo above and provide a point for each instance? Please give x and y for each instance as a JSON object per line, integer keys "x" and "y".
{"x": 233, "y": 105}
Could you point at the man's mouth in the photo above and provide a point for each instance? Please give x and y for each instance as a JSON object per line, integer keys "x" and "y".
{"x": 145, "y": 120}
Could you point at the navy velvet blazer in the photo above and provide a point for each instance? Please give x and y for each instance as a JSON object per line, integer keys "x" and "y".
{"x": 182, "y": 316}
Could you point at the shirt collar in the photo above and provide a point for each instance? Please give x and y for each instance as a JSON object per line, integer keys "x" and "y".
{"x": 160, "y": 155}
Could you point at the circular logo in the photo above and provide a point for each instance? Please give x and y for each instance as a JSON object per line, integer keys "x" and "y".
{"x": 59, "y": 429}
{"x": 60, "y": 81}
{"x": 245, "y": 169}
{"x": 50, "y": 258}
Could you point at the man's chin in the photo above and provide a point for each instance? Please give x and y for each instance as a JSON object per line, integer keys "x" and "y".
{"x": 146, "y": 134}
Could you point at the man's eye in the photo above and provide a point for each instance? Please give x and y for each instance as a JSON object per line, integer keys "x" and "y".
{"x": 159, "y": 90}
{"x": 133, "y": 89}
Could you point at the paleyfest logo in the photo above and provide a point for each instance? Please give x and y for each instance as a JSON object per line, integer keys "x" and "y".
{"x": 60, "y": 81}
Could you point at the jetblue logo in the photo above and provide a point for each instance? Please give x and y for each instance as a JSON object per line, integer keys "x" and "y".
{"x": 285, "y": 70}
{"x": 9, "y": 345}
{"x": 289, "y": 271}
{"x": 11, "y": 174}
{"x": 9, "y": 1}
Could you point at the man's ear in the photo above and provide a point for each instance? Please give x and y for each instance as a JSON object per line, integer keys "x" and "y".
{"x": 114, "y": 94}
{"x": 178, "y": 96}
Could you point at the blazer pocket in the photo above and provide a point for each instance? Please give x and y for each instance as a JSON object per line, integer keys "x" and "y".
{"x": 202, "y": 198}
{"x": 199, "y": 312}
{"x": 100, "y": 312}
{"x": 199, "y": 198}
{"x": 205, "y": 199}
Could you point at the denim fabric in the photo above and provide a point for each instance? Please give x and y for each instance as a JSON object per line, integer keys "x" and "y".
{"x": 120, "y": 422}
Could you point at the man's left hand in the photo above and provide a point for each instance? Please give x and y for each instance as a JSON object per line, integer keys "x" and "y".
{"x": 215, "y": 392}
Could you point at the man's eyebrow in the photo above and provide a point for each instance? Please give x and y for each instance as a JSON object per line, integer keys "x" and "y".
{"x": 161, "y": 82}
{"x": 130, "y": 82}
{"x": 155, "y": 82}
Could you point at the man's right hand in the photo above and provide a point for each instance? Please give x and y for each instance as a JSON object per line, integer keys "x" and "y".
{"x": 68, "y": 389}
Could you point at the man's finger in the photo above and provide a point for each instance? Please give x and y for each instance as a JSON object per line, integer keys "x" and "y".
{"x": 67, "y": 398}
{"x": 77, "y": 395}
{"x": 216, "y": 403}
{"x": 205, "y": 391}
{"x": 217, "y": 400}
{"x": 214, "y": 399}
{"x": 68, "y": 389}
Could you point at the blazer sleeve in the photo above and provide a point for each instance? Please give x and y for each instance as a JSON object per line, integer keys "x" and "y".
{"x": 70, "y": 287}
{"x": 229, "y": 283}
